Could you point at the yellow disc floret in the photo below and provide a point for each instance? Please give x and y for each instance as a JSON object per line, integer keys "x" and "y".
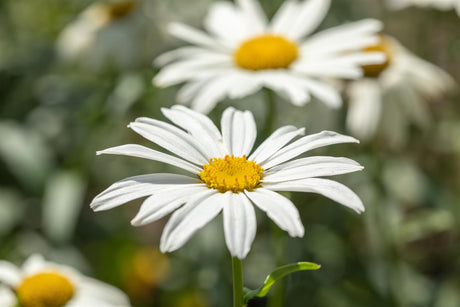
{"x": 266, "y": 52}
{"x": 231, "y": 173}
{"x": 48, "y": 289}
{"x": 374, "y": 70}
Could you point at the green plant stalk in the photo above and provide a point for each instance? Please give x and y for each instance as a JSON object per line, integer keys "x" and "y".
{"x": 271, "y": 111}
{"x": 238, "y": 295}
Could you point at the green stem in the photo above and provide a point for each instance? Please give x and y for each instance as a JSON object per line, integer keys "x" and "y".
{"x": 238, "y": 294}
{"x": 271, "y": 111}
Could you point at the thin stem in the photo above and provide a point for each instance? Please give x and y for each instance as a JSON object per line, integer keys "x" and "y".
{"x": 237, "y": 269}
{"x": 271, "y": 111}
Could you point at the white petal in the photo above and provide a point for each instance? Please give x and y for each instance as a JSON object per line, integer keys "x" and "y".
{"x": 309, "y": 15}
{"x": 274, "y": 142}
{"x": 35, "y": 263}
{"x": 139, "y": 151}
{"x": 92, "y": 292}
{"x": 226, "y": 21}
{"x": 324, "y": 93}
{"x": 365, "y": 104}
{"x": 136, "y": 187}
{"x": 282, "y": 21}
{"x": 190, "y": 218}
{"x": 194, "y": 36}
{"x": 182, "y": 53}
{"x": 311, "y": 167}
{"x": 7, "y": 297}
{"x": 9, "y": 274}
{"x": 239, "y": 224}
{"x": 239, "y": 131}
{"x": 171, "y": 138}
{"x": 278, "y": 208}
{"x": 288, "y": 85}
{"x": 256, "y": 21}
{"x": 345, "y": 38}
{"x": 329, "y": 188}
{"x": 199, "y": 126}
{"x": 307, "y": 143}
{"x": 166, "y": 201}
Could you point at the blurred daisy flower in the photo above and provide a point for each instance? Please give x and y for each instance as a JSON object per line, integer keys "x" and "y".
{"x": 7, "y": 297}
{"x": 226, "y": 176}
{"x": 399, "y": 87}
{"x": 244, "y": 52}
{"x": 104, "y": 33}
{"x": 437, "y": 4}
{"x": 46, "y": 284}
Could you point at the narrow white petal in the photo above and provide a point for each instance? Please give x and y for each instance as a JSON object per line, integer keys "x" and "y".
{"x": 199, "y": 126}
{"x": 139, "y": 151}
{"x": 243, "y": 133}
{"x": 329, "y": 188}
{"x": 274, "y": 142}
{"x": 182, "y": 53}
{"x": 314, "y": 167}
{"x": 9, "y": 274}
{"x": 309, "y": 16}
{"x": 256, "y": 21}
{"x": 194, "y": 36}
{"x": 213, "y": 91}
{"x": 171, "y": 138}
{"x": 324, "y": 93}
{"x": 166, "y": 201}
{"x": 190, "y": 90}
{"x": 226, "y": 21}
{"x": 307, "y": 143}
{"x": 285, "y": 83}
{"x": 278, "y": 208}
{"x": 281, "y": 23}
{"x": 226, "y": 124}
{"x": 135, "y": 187}
{"x": 189, "y": 218}
{"x": 365, "y": 104}
{"x": 7, "y": 297}
{"x": 239, "y": 224}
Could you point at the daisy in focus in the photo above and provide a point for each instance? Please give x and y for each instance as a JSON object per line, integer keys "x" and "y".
{"x": 443, "y": 5}
{"x": 397, "y": 90}
{"x": 227, "y": 176}
{"x": 243, "y": 52}
{"x": 39, "y": 283}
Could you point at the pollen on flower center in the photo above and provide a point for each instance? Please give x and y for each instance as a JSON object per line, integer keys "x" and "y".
{"x": 48, "y": 289}
{"x": 374, "y": 70}
{"x": 231, "y": 173}
{"x": 266, "y": 52}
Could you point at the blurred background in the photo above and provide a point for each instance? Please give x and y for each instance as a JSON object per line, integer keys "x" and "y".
{"x": 73, "y": 74}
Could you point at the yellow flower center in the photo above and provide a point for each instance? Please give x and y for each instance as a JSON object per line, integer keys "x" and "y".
{"x": 374, "y": 70}
{"x": 45, "y": 290}
{"x": 231, "y": 173}
{"x": 120, "y": 9}
{"x": 266, "y": 52}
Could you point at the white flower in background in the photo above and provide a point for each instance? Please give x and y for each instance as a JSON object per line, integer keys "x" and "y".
{"x": 226, "y": 176}
{"x": 437, "y": 4}
{"x": 39, "y": 283}
{"x": 398, "y": 89}
{"x": 244, "y": 52}
{"x": 7, "y": 297}
{"x": 104, "y": 33}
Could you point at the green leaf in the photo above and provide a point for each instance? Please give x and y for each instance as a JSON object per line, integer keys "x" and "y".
{"x": 276, "y": 275}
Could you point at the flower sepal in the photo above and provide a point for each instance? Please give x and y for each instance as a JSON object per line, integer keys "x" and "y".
{"x": 276, "y": 275}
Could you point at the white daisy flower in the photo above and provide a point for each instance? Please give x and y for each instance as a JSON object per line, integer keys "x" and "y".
{"x": 226, "y": 176}
{"x": 47, "y": 284}
{"x": 104, "y": 33}
{"x": 437, "y": 4}
{"x": 402, "y": 85}
{"x": 244, "y": 52}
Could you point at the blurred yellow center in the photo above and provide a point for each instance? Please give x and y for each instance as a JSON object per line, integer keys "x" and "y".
{"x": 266, "y": 52}
{"x": 374, "y": 70}
{"x": 231, "y": 173}
{"x": 45, "y": 290}
{"x": 120, "y": 9}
